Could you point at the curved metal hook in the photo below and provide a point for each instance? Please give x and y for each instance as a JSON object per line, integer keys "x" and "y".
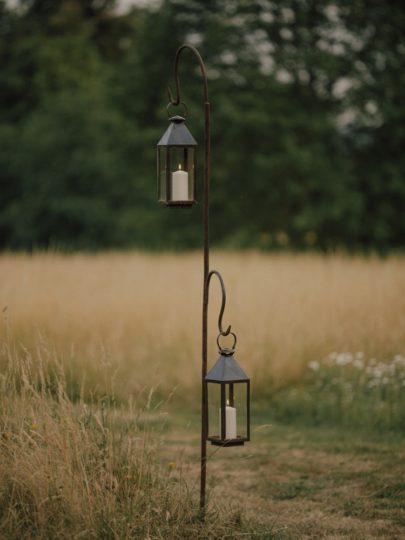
{"x": 221, "y": 312}
{"x": 176, "y": 101}
{"x": 172, "y": 101}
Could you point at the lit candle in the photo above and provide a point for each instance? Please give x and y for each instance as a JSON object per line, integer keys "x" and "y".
{"x": 230, "y": 421}
{"x": 180, "y": 185}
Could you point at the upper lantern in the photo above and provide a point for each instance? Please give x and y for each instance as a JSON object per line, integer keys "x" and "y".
{"x": 176, "y": 165}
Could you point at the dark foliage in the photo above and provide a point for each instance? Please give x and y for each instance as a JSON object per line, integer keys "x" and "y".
{"x": 308, "y": 123}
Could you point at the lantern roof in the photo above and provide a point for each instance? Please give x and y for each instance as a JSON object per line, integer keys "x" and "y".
{"x": 177, "y": 134}
{"x": 226, "y": 369}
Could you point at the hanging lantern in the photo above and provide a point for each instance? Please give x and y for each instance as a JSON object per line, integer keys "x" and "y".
{"x": 228, "y": 398}
{"x": 176, "y": 165}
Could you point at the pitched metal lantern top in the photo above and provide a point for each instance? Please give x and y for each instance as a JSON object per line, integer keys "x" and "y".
{"x": 177, "y": 134}
{"x": 226, "y": 369}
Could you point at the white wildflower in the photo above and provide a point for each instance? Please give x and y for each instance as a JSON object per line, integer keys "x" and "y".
{"x": 314, "y": 365}
{"x": 332, "y": 358}
{"x": 378, "y": 373}
{"x": 399, "y": 360}
{"x": 358, "y": 363}
{"x": 343, "y": 359}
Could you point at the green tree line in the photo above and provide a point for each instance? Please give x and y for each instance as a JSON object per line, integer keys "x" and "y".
{"x": 307, "y": 117}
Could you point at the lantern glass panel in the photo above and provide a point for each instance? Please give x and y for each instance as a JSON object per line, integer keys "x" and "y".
{"x": 181, "y": 163}
{"x": 163, "y": 170}
{"x": 236, "y": 401}
{"x": 240, "y": 402}
{"x": 214, "y": 406}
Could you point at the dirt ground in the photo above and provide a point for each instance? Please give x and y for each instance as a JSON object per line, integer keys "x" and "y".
{"x": 301, "y": 482}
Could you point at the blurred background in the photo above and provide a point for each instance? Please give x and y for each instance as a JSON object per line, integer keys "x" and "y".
{"x": 308, "y": 122}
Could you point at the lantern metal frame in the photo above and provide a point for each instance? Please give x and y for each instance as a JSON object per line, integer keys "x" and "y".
{"x": 226, "y": 372}
{"x": 207, "y": 274}
{"x": 177, "y": 137}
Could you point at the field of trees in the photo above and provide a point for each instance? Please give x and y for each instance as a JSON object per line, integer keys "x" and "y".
{"x": 307, "y": 122}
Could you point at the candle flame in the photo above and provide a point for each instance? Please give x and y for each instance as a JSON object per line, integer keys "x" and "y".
{"x": 179, "y": 166}
{"x": 227, "y": 401}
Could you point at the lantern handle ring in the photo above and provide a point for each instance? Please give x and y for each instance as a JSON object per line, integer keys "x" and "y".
{"x": 222, "y": 332}
{"x": 227, "y": 351}
{"x": 171, "y": 104}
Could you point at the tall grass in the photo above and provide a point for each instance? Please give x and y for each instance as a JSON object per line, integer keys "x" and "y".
{"x": 89, "y": 470}
{"x": 140, "y": 314}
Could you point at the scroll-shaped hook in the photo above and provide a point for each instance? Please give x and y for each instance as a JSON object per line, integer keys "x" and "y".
{"x": 177, "y": 99}
{"x": 221, "y": 313}
{"x": 172, "y": 101}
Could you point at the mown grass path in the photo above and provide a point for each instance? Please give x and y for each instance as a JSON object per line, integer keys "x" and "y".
{"x": 302, "y": 482}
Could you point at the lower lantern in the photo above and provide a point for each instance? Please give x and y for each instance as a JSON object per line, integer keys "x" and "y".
{"x": 228, "y": 397}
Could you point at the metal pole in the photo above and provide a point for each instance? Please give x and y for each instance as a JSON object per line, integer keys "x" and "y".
{"x": 204, "y": 401}
{"x": 206, "y": 235}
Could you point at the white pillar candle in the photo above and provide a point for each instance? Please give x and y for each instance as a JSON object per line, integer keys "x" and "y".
{"x": 230, "y": 421}
{"x": 180, "y": 185}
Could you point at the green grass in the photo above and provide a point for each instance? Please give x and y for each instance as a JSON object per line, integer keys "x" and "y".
{"x": 303, "y": 481}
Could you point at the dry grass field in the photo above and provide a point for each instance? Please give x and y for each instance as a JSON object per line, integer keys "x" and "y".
{"x": 134, "y": 319}
{"x": 99, "y": 354}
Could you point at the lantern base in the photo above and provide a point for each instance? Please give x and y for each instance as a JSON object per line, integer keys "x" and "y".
{"x": 217, "y": 441}
{"x": 179, "y": 204}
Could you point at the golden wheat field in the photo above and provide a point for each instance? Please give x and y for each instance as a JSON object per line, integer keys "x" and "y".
{"x": 132, "y": 320}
